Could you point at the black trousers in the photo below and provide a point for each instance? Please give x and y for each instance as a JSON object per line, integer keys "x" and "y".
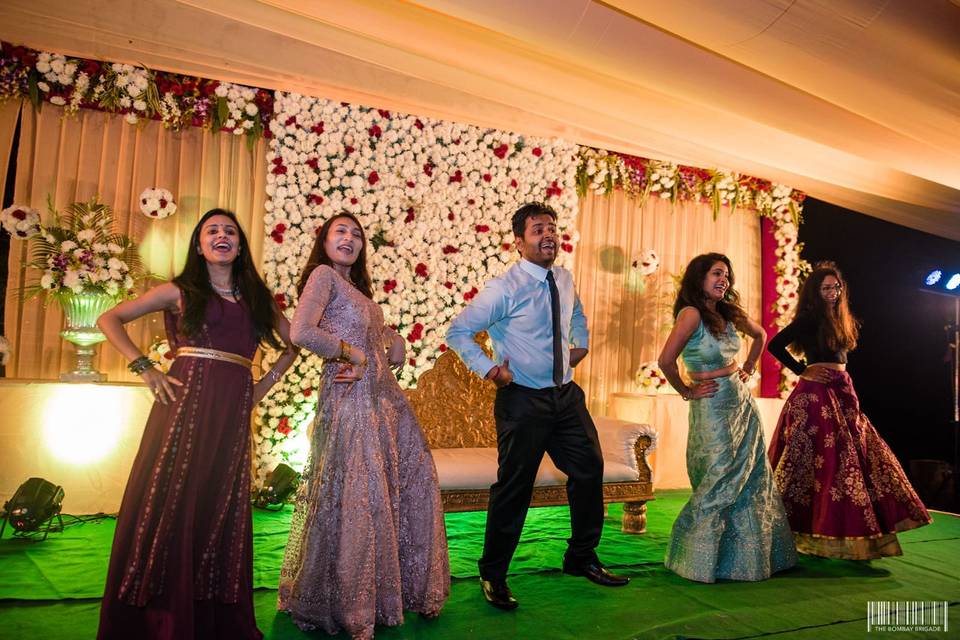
{"x": 531, "y": 422}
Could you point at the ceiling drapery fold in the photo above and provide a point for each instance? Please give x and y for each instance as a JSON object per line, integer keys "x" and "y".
{"x": 856, "y": 102}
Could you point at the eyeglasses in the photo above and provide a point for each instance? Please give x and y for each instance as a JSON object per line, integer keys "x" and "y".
{"x": 831, "y": 287}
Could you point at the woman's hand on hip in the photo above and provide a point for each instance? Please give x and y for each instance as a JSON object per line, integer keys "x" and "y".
{"x": 160, "y": 384}
{"x": 816, "y": 373}
{"x": 702, "y": 389}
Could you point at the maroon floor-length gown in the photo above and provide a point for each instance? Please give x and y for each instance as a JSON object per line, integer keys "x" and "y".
{"x": 182, "y": 561}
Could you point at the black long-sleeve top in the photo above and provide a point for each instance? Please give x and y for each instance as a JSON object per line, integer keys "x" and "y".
{"x": 803, "y": 333}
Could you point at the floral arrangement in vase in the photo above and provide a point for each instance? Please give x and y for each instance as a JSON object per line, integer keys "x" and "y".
{"x": 87, "y": 268}
{"x": 79, "y": 253}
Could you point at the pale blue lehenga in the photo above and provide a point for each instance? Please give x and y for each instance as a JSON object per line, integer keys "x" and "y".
{"x": 734, "y": 526}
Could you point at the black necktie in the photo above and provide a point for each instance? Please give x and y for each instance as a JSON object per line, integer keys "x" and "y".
{"x": 557, "y": 346}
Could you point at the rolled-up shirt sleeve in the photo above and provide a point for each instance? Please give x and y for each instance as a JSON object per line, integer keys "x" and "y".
{"x": 487, "y": 309}
{"x": 579, "y": 334}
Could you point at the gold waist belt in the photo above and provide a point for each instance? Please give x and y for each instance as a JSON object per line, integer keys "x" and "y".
{"x": 213, "y": 354}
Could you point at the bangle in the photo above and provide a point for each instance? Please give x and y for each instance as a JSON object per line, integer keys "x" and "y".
{"x": 141, "y": 364}
{"x": 273, "y": 375}
{"x": 344, "y": 352}
{"x": 496, "y": 373}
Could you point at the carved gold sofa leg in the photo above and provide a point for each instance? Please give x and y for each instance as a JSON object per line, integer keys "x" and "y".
{"x": 634, "y": 517}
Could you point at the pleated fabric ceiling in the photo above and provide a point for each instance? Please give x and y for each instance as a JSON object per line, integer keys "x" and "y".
{"x": 856, "y": 102}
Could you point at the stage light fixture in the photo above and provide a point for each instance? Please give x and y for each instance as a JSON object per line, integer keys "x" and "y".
{"x": 279, "y": 485}
{"x": 36, "y": 502}
{"x": 933, "y": 282}
{"x": 941, "y": 279}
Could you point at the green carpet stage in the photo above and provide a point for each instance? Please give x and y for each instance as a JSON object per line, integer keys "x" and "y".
{"x": 51, "y": 589}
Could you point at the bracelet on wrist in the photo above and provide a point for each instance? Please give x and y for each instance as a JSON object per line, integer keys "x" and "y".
{"x": 344, "y": 352}
{"x": 273, "y": 376}
{"x": 141, "y": 364}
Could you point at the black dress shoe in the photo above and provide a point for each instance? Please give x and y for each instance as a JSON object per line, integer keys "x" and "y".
{"x": 595, "y": 572}
{"x": 498, "y": 594}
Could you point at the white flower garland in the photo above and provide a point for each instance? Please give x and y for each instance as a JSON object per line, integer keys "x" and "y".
{"x": 435, "y": 199}
{"x": 790, "y": 267}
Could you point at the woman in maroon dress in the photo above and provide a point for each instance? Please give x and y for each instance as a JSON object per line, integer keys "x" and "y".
{"x": 844, "y": 491}
{"x": 182, "y": 561}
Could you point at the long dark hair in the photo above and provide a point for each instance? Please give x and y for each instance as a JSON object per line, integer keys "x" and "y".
{"x": 359, "y": 275}
{"x": 195, "y": 287}
{"x": 837, "y": 328}
{"x": 691, "y": 295}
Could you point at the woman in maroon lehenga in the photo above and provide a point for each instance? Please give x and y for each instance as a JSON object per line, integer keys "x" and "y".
{"x": 845, "y": 494}
{"x": 367, "y": 538}
{"x": 182, "y": 561}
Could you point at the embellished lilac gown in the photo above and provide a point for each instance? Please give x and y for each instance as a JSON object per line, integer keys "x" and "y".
{"x": 367, "y": 539}
{"x": 181, "y": 567}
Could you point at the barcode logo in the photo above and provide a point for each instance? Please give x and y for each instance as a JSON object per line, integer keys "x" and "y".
{"x": 909, "y": 615}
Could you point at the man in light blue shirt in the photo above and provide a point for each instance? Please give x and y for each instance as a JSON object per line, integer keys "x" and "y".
{"x": 539, "y": 333}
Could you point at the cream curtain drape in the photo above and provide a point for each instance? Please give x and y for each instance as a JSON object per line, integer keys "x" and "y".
{"x": 75, "y": 158}
{"x": 93, "y": 153}
{"x": 629, "y": 317}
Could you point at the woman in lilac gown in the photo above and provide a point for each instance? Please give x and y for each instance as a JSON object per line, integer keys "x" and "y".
{"x": 367, "y": 540}
{"x": 181, "y": 567}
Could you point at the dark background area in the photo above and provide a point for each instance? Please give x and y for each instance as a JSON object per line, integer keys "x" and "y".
{"x": 901, "y": 368}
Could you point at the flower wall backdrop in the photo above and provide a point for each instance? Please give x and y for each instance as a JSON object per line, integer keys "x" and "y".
{"x": 435, "y": 199}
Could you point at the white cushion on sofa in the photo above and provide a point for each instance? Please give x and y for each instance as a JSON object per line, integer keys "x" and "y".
{"x": 476, "y": 468}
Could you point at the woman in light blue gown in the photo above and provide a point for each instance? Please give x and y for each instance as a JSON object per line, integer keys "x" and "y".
{"x": 734, "y": 526}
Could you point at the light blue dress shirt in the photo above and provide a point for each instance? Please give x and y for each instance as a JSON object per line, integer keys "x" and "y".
{"x": 514, "y": 310}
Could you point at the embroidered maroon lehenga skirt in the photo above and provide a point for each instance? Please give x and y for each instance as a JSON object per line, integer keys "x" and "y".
{"x": 845, "y": 494}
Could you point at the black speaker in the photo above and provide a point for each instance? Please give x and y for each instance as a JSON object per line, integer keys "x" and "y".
{"x": 36, "y": 502}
